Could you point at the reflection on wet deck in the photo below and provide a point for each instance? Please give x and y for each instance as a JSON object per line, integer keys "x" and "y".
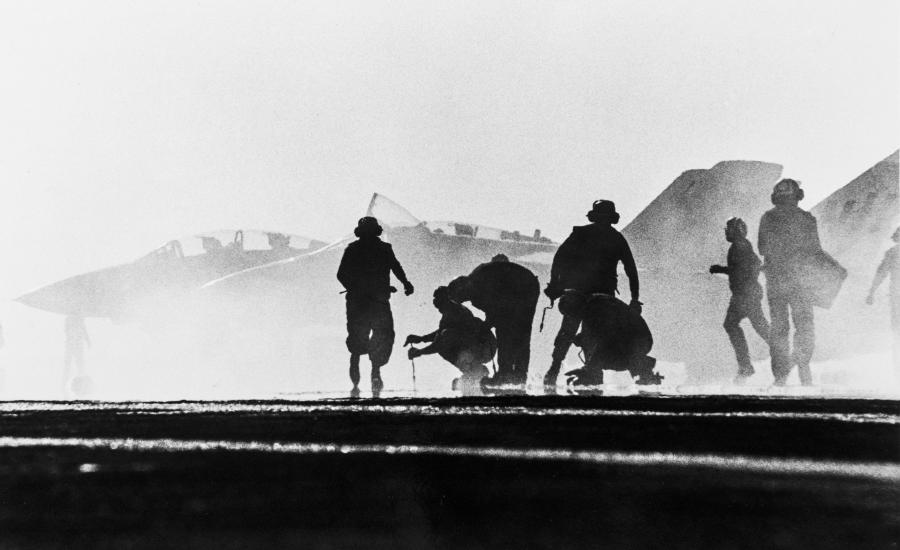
{"x": 766, "y": 465}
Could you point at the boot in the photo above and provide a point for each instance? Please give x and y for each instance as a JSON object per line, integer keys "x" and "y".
{"x": 553, "y": 373}
{"x": 585, "y": 377}
{"x": 377, "y": 383}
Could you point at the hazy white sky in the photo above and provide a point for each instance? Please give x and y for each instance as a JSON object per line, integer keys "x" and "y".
{"x": 125, "y": 124}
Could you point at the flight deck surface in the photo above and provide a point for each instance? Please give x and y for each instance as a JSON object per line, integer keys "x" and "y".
{"x": 546, "y": 471}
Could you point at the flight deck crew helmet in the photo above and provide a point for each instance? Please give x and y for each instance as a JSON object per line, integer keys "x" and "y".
{"x": 736, "y": 226}
{"x": 367, "y": 226}
{"x": 787, "y": 190}
{"x": 603, "y": 210}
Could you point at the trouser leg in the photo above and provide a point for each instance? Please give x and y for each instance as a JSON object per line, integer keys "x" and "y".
{"x": 524, "y": 323}
{"x": 358, "y": 329}
{"x": 354, "y": 369}
{"x": 382, "y": 341}
{"x": 523, "y": 351}
{"x": 564, "y": 338}
{"x": 506, "y": 351}
{"x": 758, "y": 319}
{"x": 732, "y": 327}
{"x": 779, "y": 330}
{"x": 804, "y": 337}
{"x": 514, "y": 349}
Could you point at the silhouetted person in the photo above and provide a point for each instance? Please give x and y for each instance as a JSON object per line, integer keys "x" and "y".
{"x": 461, "y": 339}
{"x": 587, "y": 262}
{"x": 365, "y": 273}
{"x": 788, "y": 237}
{"x": 746, "y": 294}
{"x": 613, "y": 336}
{"x": 77, "y": 340}
{"x": 890, "y": 267}
{"x": 507, "y": 293}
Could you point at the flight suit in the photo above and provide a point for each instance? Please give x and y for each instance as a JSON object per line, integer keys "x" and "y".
{"x": 788, "y": 236}
{"x": 746, "y": 301}
{"x": 587, "y": 261}
{"x": 365, "y": 272}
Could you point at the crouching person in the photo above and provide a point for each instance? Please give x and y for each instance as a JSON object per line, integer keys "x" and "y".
{"x": 613, "y": 336}
{"x": 461, "y": 339}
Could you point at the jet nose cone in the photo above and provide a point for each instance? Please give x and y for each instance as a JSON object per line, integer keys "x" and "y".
{"x": 74, "y": 296}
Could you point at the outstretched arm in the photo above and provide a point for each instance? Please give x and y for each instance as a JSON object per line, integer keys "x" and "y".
{"x": 427, "y": 350}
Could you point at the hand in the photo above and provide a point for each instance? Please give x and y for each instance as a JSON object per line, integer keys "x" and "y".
{"x": 413, "y": 353}
{"x": 408, "y": 288}
{"x": 637, "y": 306}
{"x": 870, "y": 299}
{"x": 552, "y": 292}
{"x": 411, "y": 339}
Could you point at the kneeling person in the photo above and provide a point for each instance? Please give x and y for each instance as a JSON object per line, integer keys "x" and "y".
{"x": 613, "y": 336}
{"x": 461, "y": 339}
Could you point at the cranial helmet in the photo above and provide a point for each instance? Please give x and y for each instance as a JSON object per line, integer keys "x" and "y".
{"x": 603, "y": 210}
{"x": 786, "y": 190}
{"x": 367, "y": 226}
{"x": 736, "y": 226}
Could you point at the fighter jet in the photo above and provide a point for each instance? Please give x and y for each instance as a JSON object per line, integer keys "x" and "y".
{"x": 165, "y": 274}
{"x": 432, "y": 253}
{"x": 299, "y": 299}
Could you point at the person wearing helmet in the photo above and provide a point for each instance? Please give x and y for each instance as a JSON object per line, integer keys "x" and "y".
{"x": 587, "y": 262}
{"x": 507, "y": 293}
{"x": 365, "y": 272}
{"x": 746, "y": 294}
{"x": 890, "y": 267}
{"x": 461, "y": 339}
{"x": 788, "y": 237}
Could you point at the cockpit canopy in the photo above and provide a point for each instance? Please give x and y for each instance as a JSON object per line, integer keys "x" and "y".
{"x": 240, "y": 240}
{"x": 392, "y": 215}
{"x": 483, "y": 232}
